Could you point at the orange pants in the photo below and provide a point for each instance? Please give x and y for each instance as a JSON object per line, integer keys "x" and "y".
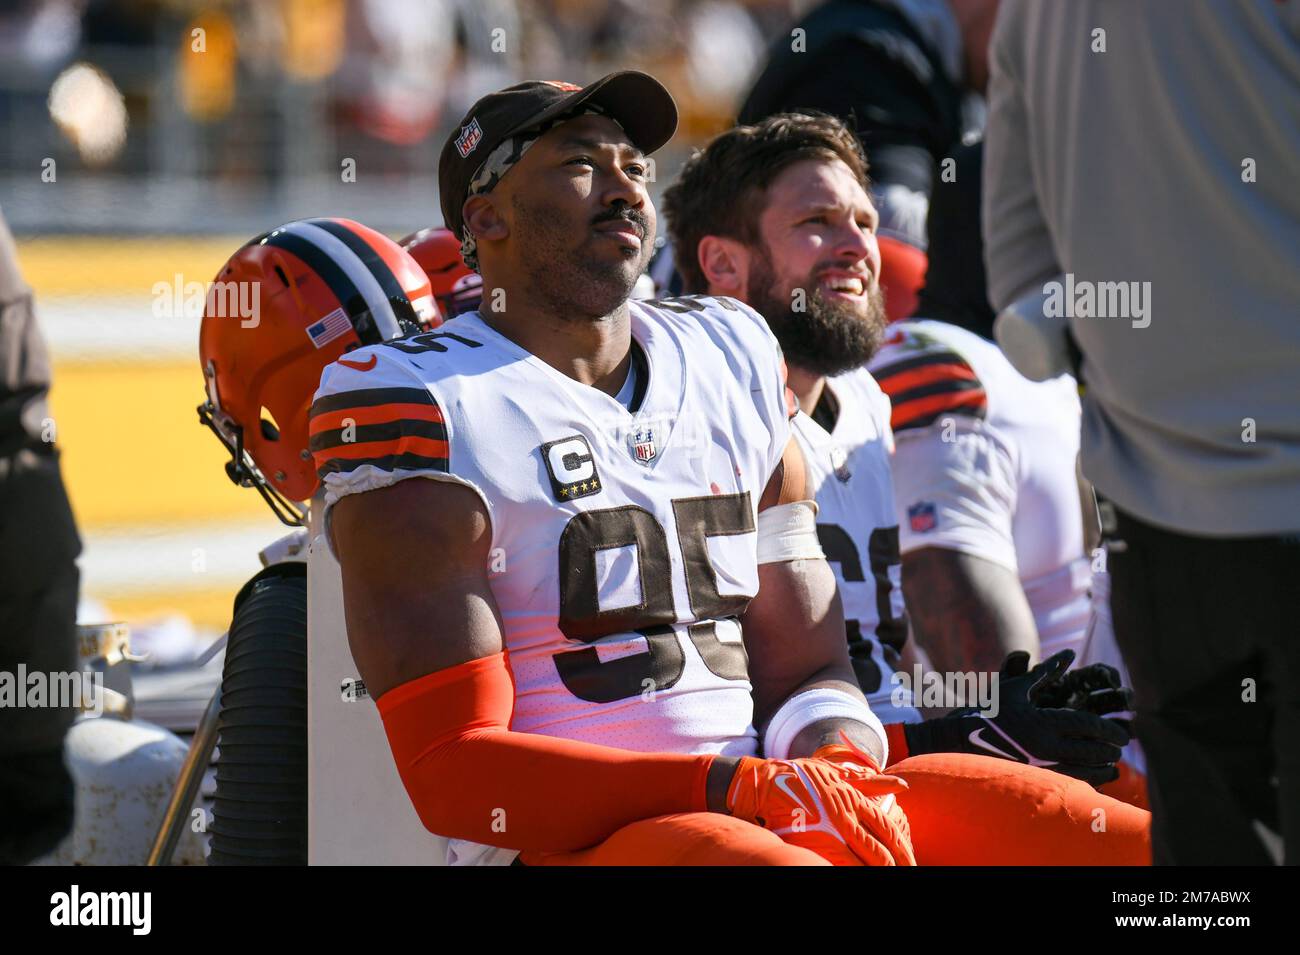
{"x": 978, "y": 810}
{"x": 964, "y": 810}
{"x": 685, "y": 838}
{"x": 1131, "y": 787}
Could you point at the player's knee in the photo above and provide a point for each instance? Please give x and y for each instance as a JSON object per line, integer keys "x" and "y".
{"x": 757, "y": 846}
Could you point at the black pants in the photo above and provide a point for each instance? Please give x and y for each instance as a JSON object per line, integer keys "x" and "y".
{"x": 1210, "y": 631}
{"x": 38, "y": 611}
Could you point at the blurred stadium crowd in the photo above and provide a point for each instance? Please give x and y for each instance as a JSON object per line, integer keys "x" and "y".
{"x": 286, "y": 90}
{"x": 123, "y": 152}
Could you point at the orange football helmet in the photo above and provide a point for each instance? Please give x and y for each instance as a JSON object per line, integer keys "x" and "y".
{"x": 456, "y": 287}
{"x": 284, "y": 306}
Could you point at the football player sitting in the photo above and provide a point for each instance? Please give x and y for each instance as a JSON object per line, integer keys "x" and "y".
{"x": 996, "y": 519}
{"x": 600, "y": 629}
{"x": 778, "y": 215}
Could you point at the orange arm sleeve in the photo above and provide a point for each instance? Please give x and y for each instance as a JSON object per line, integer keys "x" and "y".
{"x": 897, "y": 743}
{"x": 471, "y": 777}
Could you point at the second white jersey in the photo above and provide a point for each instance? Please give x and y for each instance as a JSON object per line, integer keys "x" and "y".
{"x": 985, "y": 464}
{"x": 849, "y": 475}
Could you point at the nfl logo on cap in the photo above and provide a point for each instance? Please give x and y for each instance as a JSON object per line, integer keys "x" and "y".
{"x": 469, "y": 137}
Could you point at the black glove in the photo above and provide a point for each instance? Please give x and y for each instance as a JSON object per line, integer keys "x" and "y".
{"x": 1095, "y": 688}
{"x": 1028, "y": 728}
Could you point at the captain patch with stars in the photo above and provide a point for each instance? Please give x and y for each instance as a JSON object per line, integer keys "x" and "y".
{"x": 571, "y": 467}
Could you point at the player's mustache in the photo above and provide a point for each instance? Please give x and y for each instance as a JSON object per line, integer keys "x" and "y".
{"x": 634, "y": 216}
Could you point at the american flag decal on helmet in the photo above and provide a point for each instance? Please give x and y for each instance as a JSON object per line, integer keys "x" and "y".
{"x": 330, "y": 327}
{"x": 469, "y": 138}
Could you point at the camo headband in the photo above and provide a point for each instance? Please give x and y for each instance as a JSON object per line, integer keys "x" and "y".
{"x": 500, "y": 161}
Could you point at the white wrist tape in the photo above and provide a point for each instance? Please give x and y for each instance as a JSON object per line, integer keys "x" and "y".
{"x": 804, "y": 709}
{"x": 789, "y": 532}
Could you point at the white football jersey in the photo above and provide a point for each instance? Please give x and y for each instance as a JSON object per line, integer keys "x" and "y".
{"x": 848, "y": 473}
{"x": 623, "y": 544}
{"x": 985, "y": 465}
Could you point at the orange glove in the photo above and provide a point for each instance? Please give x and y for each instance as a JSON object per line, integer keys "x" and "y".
{"x": 821, "y": 805}
{"x": 879, "y": 813}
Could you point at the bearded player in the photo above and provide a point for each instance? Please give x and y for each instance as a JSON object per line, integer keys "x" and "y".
{"x": 987, "y": 487}
{"x": 609, "y": 581}
{"x": 779, "y": 216}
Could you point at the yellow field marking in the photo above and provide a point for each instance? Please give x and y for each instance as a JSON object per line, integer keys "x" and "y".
{"x": 119, "y": 265}
{"x": 134, "y": 451}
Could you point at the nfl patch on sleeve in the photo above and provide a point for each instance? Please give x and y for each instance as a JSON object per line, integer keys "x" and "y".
{"x": 921, "y": 517}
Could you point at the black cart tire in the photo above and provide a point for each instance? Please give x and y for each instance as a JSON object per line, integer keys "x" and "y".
{"x": 260, "y": 808}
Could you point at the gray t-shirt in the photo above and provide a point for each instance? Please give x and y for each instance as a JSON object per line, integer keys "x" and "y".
{"x": 1171, "y": 159}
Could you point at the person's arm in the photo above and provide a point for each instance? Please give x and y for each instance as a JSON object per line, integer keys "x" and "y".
{"x": 794, "y": 634}
{"x": 426, "y": 636}
{"x": 956, "y": 494}
{"x": 405, "y": 550}
{"x": 1018, "y": 249}
{"x": 967, "y": 612}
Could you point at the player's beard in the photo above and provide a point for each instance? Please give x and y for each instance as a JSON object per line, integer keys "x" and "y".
{"x": 581, "y": 286}
{"x": 826, "y": 338}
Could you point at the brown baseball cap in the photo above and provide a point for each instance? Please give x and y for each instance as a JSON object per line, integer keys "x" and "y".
{"x": 636, "y": 101}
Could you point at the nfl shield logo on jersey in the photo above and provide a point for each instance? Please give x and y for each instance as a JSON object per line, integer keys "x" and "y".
{"x": 840, "y": 464}
{"x": 642, "y": 441}
{"x": 921, "y": 517}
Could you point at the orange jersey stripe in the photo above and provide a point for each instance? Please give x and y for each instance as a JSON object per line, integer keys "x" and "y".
{"x": 896, "y": 384}
{"x": 910, "y": 411}
{"x": 374, "y": 414}
{"x": 407, "y": 444}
